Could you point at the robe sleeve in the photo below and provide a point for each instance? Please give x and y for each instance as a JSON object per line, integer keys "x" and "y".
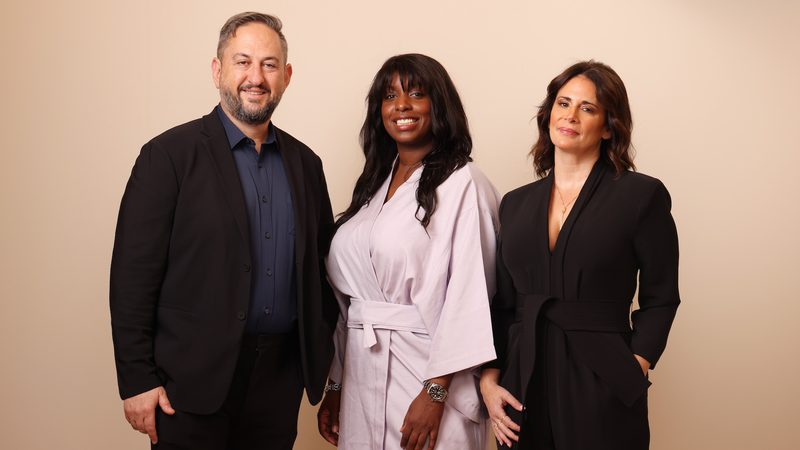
{"x": 462, "y": 337}
{"x": 656, "y": 247}
{"x": 503, "y": 309}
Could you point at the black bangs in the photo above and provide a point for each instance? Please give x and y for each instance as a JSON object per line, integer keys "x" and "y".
{"x": 406, "y": 70}
{"x": 452, "y": 143}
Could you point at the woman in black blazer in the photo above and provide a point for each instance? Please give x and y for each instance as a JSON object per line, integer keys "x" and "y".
{"x": 572, "y": 245}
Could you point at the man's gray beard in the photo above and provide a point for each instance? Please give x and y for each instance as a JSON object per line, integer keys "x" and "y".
{"x": 257, "y": 117}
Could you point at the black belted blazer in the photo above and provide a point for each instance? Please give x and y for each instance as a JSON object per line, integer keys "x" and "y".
{"x": 567, "y": 311}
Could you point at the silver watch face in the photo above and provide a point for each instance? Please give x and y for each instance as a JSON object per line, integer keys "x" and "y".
{"x": 437, "y": 393}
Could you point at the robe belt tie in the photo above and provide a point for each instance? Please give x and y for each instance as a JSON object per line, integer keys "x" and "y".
{"x": 372, "y": 315}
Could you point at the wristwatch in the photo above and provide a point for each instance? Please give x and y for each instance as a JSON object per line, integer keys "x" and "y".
{"x": 335, "y": 387}
{"x": 436, "y": 392}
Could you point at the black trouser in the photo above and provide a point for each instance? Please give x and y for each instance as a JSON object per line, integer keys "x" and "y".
{"x": 260, "y": 411}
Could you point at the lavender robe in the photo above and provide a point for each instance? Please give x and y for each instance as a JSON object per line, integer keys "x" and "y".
{"x": 414, "y": 306}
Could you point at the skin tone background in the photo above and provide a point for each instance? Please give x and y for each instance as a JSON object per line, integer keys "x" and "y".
{"x": 715, "y": 95}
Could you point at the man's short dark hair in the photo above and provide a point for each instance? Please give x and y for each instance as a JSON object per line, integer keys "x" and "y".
{"x": 229, "y": 30}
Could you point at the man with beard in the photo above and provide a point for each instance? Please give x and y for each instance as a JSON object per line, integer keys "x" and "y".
{"x": 220, "y": 311}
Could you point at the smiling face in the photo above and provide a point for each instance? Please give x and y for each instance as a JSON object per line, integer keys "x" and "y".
{"x": 406, "y": 116}
{"x": 251, "y": 74}
{"x": 577, "y": 119}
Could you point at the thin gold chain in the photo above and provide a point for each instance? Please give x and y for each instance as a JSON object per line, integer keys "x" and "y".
{"x": 564, "y": 205}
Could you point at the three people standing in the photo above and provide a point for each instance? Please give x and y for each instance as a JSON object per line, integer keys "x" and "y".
{"x": 223, "y": 301}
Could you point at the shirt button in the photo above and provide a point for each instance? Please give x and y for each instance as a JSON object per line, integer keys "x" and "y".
{"x": 264, "y": 198}
{"x": 260, "y": 166}
{"x": 269, "y": 272}
{"x": 240, "y": 315}
{"x": 267, "y": 235}
{"x": 267, "y": 311}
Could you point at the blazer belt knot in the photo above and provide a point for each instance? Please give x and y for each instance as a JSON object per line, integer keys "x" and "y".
{"x": 579, "y": 315}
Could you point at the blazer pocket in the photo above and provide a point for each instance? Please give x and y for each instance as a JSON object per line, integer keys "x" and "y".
{"x": 610, "y": 358}
{"x": 171, "y": 346}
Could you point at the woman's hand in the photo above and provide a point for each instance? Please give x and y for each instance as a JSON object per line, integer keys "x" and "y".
{"x": 496, "y": 398}
{"x": 644, "y": 363}
{"x": 328, "y": 416}
{"x": 421, "y": 423}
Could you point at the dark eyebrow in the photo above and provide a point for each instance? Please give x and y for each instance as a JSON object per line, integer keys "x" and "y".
{"x": 564, "y": 97}
{"x": 245, "y": 55}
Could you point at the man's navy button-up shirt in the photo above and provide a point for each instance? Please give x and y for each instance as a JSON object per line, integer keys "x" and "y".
{"x": 268, "y": 200}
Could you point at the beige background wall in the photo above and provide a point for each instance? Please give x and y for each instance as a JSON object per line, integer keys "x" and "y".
{"x": 715, "y": 87}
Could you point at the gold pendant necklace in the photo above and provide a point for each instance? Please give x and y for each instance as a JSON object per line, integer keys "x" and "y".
{"x": 564, "y": 205}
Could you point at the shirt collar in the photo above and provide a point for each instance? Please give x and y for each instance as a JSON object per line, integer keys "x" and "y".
{"x": 235, "y": 135}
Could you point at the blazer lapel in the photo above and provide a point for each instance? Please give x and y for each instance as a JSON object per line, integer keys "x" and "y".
{"x": 589, "y": 186}
{"x": 556, "y": 280}
{"x": 219, "y": 148}
{"x": 293, "y": 164}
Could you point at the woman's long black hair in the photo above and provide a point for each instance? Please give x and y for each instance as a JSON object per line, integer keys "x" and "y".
{"x": 452, "y": 143}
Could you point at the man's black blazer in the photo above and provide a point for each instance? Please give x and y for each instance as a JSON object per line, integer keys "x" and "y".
{"x": 181, "y": 267}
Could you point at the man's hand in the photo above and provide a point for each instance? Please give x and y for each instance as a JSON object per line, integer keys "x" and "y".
{"x": 140, "y": 411}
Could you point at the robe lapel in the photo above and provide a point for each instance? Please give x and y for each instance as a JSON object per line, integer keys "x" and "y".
{"x": 219, "y": 148}
{"x": 372, "y": 211}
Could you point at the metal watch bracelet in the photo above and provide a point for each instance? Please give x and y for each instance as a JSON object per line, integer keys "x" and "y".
{"x": 335, "y": 387}
{"x": 436, "y": 392}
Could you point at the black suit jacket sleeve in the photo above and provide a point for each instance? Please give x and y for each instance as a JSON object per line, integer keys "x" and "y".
{"x": 656, "y": 249}
{"x": 330, "y": 308}
{"x": 137, "y": 272}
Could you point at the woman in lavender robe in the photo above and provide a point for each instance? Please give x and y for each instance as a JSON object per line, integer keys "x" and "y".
{"x": 412, "y": 266}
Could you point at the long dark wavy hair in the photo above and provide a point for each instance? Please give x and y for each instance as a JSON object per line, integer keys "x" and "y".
{"x": 452, "y": 143}
{"x": 612, "y": 95}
